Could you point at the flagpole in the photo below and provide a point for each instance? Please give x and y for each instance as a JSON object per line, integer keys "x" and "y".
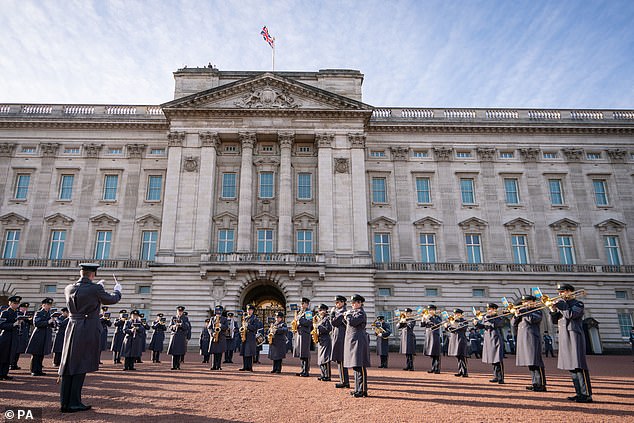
{"x": 273, "y": 54}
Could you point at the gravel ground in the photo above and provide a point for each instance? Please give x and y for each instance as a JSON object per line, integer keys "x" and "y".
{"x": 154, "y": 393}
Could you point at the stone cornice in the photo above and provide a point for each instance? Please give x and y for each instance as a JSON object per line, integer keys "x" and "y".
{"x": 83, "y": 124}
{"x": 474, "y": 128}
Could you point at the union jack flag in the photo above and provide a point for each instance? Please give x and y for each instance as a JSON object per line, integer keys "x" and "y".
{"x": 267, "y": 37}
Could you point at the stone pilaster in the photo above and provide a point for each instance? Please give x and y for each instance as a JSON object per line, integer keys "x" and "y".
{"x": 324, "y": 168}
{"x": 285, "y": 204}
{"x": 209, "y": 142}
{"x": 245, "y": 206}
{"x": 404, "y": 198}
{"x": 172, "y": 185}
{"x": 359, "y": 198}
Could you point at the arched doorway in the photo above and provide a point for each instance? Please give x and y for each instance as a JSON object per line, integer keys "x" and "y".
{"x": 267, "y": 299}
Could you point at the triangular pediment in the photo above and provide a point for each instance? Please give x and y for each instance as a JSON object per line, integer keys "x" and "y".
{"x": 382, "y": 223}
{"x": 265, "y": 220}
{"x": 267, "y": 91}
{"x": 304, "y": 220}
{"x": 428, "y": 222}
{"x": 473, "y": 224}
{"x": 611, "y": 225}
{"x": 104, "y": 219}
{"x": 519, "y": 223}
{"x": 13, "y": 219}
{"x": 58, "y": 219}
{"x": 564, "y": 224}
{"x": 148, "y": 220}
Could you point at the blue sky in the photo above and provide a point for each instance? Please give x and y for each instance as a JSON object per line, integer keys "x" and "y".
{"x": 446, "y": 53}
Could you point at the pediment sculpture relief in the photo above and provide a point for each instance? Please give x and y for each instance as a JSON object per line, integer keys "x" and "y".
{"x": 267, "y": 98}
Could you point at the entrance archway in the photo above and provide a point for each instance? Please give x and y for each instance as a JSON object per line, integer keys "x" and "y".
{"x": 267, "y": 299}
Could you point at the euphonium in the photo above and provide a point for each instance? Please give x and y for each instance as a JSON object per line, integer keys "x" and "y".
{"x": 272, "y": 330}
{"x": 294, "y": 323}
{"x": 378, "y": 330}
{"x": 315, "y": 331}
{"x": 216, "y": 328}
{"x": 243, "y": 329}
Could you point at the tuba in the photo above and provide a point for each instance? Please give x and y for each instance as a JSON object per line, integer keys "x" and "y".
{"x": 378, "y": 329}
{"x": 294, "y": 323}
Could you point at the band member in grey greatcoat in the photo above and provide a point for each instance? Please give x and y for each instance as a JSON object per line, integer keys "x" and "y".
{"x": 301, "y": 344}
{"x": 277, "y": 345}
{"x": 82, "y": 341}
{"x": 133, "y": 341}
{"x": 382, "y": 331}
{"x": 408, "y": 339}
{"x": 24, "y": 332}
{"x": 357, "y": 348}
{"x": 58, "y": 344}
{"x": 568, "y": 315}
{"x": 105, "y": 324}
{"x": 41, "y": 342}
{"x": 433, "y": 343}
{"x": 458, "y": 341}
{"x": 324, "y": 348}
{"x": 218, "y": 342}
{"x": 493, "y": 346}
{"x": 548, "y": 344}
{"x": 527, "y": 321}
{"x": 337, "y": 337}
{"x": 9, "y": 336}
{"x": 158, "y": 337}
{"x": 203, "y": 342}
{"x": 250, "y": 326}
{"x": 180, "y": 328}
{"x": 233, "y": 337}
{"x": 117, "y": 337}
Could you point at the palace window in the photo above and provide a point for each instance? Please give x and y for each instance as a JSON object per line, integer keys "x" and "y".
{"x": 11, "y": 243}
{"x": 478, "y": 292}
{"x": 66, "y": 187}
{"x": 556, "y": 192}
{"x": 265, "y": 241}
{"x": 145, "y": 289}
{"x": 566, "y": 249}
{"x": 625, "y": 323}
{"x": 381, "y": 247}
{"x": 154, "y": 188}
{"x": 549, "y": 155}
{"x": 621, "y": 294}
{"x": 474, "y": 248}
{"x": 427, "y": 246}
{"x": 431, "y": 292}
{"x": 110, "y": 187}
{"x": 225, "y": 241}
{"x": 377, "y": 153}
{"x": 593, "y": 156}
{"x": 612, "y": 250}
{"x": 511, "y": 190}
{"x": 519, "y": 246}
{"x": 384, "y": 292}
{"x": 467, "y": 190}
{"x": 229, "y": 185}
{"x": 49, "y": 289}
{"x": 266, "y": 185}
{"x": 423, "y": 190}
{"x": 420, "y": 154}
{"x": 22, "y": 186}
{"x": 600, "y": 192}
{"x": 304, "y": 186}
{"x": 506, "y": 154}
{"x": 378, "y": 190}
{"x": 149, "y": 240}
{"x": 304, "y": 242}
{"x": 157, "y": 152}
{"x": 463, "y": 154}
{"x": 102, "y": 245}
{"x": 29, "y": 150}
{"x": 71, "y": 150}
{"x": 56, "y": 247}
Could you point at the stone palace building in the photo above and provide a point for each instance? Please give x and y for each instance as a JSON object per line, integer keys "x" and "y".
{"x": 259, "y": 187}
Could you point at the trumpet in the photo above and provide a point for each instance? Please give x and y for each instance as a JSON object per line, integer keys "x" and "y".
{"x": 546, "y": 302}
{"x": 272, "y": 330}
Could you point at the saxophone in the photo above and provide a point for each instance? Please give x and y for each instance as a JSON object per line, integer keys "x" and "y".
{"x": 294, "y": 323}
{"x": 216, "y": 329}
{"x": 272, "y": 330}
{"x": 243, "y": 329}
{"x": 315, "y": 331}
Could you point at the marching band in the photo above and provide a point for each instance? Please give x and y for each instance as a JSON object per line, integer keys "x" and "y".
{"x": 338, "y": 333}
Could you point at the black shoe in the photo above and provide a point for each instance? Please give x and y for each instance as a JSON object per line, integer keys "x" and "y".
{"x": 304, "y": 375}
{"x": 174, "y": 368}
{"x": 6, "y": 377}
{"x": 79, "y": 408}
{"x": 573, "y": 398}
{"x": 465, "y": 375}
{"x": 530, "y": 388}
{"x": 406, "y": 368}
{"x": 494, "y": 381}
{"x": 342, "y": 385}
{"x": 15, "y": 368}
{"x": 540, "y": 389}
{"x": 584, "y": 398}
{"x": 358, "y": 394}
{"x": 458, "y": 374}
{"x": 244, "y": 370}
{"x": 501, "y": 382}
{"x": 325, "y": 379}
{"x": 437, "y": 372}
{"x": 38, "y": 374}
{"x": 273, "y": 371}
{"x": 157, "y": 361}
{"x": 431, "y": 371}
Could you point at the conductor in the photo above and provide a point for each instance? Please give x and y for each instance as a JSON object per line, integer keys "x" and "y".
{"x": 81, "y": 351}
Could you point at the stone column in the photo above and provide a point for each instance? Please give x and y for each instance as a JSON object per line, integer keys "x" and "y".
{"x": 324, "y": 169}
{"x": 285, "y": 229}
{"x": 172, "y": 183}
{"x": 248, "y": 140}
{"x": 404, "y": 201}
{"x": 359, "y": 198}
{"x": 134, "y": 188}
{"x": 209, "y": 141}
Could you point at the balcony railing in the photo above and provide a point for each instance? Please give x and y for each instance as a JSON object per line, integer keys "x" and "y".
{"x": 84, "y": 111}
{"x": 506, "y": 115}
{"x": 74, "y": 263}
{"x": 503, "y": 267}
{"x": 263, "y": 258}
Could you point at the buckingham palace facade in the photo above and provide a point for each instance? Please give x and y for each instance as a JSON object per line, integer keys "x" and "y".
{"x": 259, "y": 187}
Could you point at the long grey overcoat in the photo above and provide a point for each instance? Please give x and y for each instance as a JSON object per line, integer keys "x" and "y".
{"x": 356, "y": 346}
{"x": 324, "y": 349}
{"x": 338, "y": 334}
{"x": 528, "y": 348}
{"x": 458, "y": 338}
{"x": 493, "y": 344}
{"x": 178, "y": 340}
{"x": 301, "y": 344}
{"x": 41, "y": 342}
{"x": 572, "y": 341}
{"x": 433, "y": 344}
{"x": 408, "y": 337}
{"x": 277, "y": 349}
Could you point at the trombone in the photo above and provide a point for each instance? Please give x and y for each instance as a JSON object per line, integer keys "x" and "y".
{"x": 546, "y": 302}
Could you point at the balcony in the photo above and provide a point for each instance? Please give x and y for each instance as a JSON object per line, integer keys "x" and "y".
{"x": 74, "y": 263}
{"x": 502, "y": 268}
{"x": 263, "y": 258}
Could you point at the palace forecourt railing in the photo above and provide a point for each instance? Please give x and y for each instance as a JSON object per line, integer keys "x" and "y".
{"x": 503, "y": 267}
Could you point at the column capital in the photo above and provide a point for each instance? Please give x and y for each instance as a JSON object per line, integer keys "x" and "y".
{"x": 49, "y": 149}
{"x": 92, "y": 150}
{"x": 247, "y": 139}
{"x": 530, "y": 154}
{"x": 573, "y": 154}
{"x": 399, "y": 153}
{"x": 486, "y": 154}
{"x": 7, "y": 148}
{"x": 286, "y": 139}
{"x": 135, "y": 151}
{"x": 209, "y": 139}
{"x": 356, "y": 140}
{"x": 324, "y": 140}
{"x": 175, "y": 139}
{"x": 443, "y": 154}
{"x": 617, "y": 155}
